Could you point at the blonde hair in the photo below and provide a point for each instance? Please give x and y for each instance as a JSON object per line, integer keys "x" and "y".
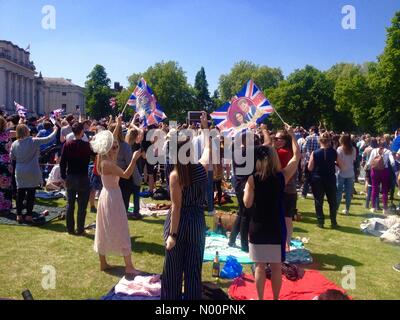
{"x": 22, "y": 131}
{"x": 131, "y": 136}
{"x": 267, "y": 163}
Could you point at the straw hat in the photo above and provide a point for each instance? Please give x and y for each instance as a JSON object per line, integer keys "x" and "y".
{"x": 102, "y": 142}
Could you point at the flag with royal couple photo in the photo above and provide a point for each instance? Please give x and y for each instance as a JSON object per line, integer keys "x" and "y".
{"x": 247, "y": 109}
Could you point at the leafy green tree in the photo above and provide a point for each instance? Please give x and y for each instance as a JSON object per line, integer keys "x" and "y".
{"x": 203, "y": 100}
{"x": 385, "y": 81}
{"x": 265, "y": 77}
{"x": 353, "y": 97}
{"x": 98, "y": 93}
{"x": 305, "y": 98}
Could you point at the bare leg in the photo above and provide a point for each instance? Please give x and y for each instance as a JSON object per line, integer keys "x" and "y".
{"x": 260, "y": 280}
{"x": 129, "y": 268}
{"x": 92, "y": 198}
{"x": 276, "y": 270}
{"x": 104, "y": 266}
{"x": 289, "y": 228}
{"x": 151, "y": 183}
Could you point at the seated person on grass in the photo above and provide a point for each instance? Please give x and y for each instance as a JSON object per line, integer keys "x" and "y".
{"x": 55, "y": 182}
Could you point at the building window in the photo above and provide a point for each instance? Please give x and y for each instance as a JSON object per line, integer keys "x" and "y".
{"x": 64, "y": 94}
{"x": 64, "y": 106}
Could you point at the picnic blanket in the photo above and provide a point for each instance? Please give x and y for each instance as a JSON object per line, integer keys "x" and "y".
{"x": 54, "y": 213}
{"x": 149, "y": 210}
{"x": 216, "y": 242}
{"x": 311, "y": 285}
{"x": 388, "y": 229}
{"x": 50, "y": 195}
{"x": 142, "y": 287}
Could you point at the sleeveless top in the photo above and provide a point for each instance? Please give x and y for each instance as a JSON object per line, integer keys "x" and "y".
{"x": 267, "y": 223}
{"x": 325, "y": 163}
{"x": 196, "y": 194}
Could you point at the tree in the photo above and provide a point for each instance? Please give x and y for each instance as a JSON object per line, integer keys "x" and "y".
{"x": 353, "y": 97}
{"x": 385, "y": 81}
{"x": 203, "y": 100}
{"x": 304, "y": 98}
{"x": 265, "y": 77}
{"x": 98, "y": 93}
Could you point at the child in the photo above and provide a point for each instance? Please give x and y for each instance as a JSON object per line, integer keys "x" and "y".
{"x": 55, "y": 182}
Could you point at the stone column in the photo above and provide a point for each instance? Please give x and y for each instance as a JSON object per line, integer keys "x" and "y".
{"x": 10, "y": 101}
{"x": 2, "y": 87}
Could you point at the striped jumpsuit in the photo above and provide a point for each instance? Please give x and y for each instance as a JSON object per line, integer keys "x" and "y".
{"x": 185, "y": 260}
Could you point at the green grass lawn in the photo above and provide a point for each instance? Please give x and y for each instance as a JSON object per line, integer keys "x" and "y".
{"x": 24, "y": 251}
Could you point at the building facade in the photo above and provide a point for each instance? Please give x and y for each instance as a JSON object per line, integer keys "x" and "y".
{"x": 19, "y": 82}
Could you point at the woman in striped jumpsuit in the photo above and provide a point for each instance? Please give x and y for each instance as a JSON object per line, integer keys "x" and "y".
{"x": 185, "y": 227}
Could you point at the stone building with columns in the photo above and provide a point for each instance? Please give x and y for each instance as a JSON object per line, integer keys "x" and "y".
{"x": 19, "y": 82}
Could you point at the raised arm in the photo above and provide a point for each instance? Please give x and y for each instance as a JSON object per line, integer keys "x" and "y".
{"x": 176, "y": 199}
{"x": 48, "y": 139}
{"x": 117, "y": 127}
{"x": 112, "y": 169}
{"x": 267, "y": 137}
{"x": 292, "y": 166}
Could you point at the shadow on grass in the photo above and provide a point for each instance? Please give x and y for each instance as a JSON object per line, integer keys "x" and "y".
{"x": 332, "y": 262}
{"x": 151, "y": 248}
{"x": 299, "y": 230}
{"x": 160, "y": 221}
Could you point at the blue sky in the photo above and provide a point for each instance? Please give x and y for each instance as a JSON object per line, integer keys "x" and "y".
{"x": 129, "y": 36}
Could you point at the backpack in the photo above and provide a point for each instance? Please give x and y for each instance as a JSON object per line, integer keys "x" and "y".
{"x": 161, "y": 194}
{"x": 377, "y": 163}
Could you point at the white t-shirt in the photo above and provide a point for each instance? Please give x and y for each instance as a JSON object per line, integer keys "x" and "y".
{"x": 55, "y": 175}
{"x": 71, "y": 136}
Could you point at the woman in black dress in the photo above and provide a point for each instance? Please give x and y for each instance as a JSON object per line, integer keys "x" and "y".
{"x": 267, "y": 234}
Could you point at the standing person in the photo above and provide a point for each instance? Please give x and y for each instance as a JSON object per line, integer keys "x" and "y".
{"x": 124, "y": 158}
{"x": 45, "y": 132}
{"x": 66, "y": 129}
{"x": 6, "y": 168}
{"x": 25, "y": 151}
{"x": 310, "y": 145}
{"x": 368, "y": 181}
{"x": 323, "y": 179}
{"x": 379, "y": 161}
{"x": 283, "y": 146}
{"x": 267, "y": 233}
{"x": 75, "y": 159}
{"x": 133, "y": 138}
{"x": 346, "y": 176}
{"x": 112, "y": 230}
{"x": 184, "y": 229}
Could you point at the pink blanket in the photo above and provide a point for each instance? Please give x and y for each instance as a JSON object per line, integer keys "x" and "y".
{"x": 145, "y": 286}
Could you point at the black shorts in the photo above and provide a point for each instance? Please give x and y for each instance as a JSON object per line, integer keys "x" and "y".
{"x": 290, "y": 204}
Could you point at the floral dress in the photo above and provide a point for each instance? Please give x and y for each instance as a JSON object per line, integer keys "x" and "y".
{"x": 5, "y": 172}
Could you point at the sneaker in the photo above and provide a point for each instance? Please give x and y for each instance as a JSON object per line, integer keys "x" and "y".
{"x": 320, "y": 225}
{"x": 372, "y": 210}
{"x": 396, "y": 267}
{"x": 335, "y": 226}
{"x": 93, "y": 210}
{"x": 211, "y": 213}
{"x": 345, "y": 212}
{"x": 135, "y": 216}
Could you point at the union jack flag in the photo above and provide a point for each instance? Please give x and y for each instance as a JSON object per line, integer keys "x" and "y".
{"x": 21, "y": 110}
{"x": 113, "y": 102}
{"x": 58, "y": 112}
{"x": 247, "y": 109}
{"x": 145, "y": 102}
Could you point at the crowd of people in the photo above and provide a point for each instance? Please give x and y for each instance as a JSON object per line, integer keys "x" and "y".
{"x": 110, "y": 158}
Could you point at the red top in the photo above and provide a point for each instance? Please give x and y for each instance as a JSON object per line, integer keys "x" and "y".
{"x": 284, "y": 156}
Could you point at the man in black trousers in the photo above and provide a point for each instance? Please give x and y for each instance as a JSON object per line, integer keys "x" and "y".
{"x": 74, "y": 164}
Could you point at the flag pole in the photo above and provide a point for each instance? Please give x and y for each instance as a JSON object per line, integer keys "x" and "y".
{"x": 123, "y": 110}
{"x": 279, "y": 116}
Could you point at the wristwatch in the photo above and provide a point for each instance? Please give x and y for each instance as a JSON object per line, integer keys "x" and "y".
{"x": 173, "y": 235}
